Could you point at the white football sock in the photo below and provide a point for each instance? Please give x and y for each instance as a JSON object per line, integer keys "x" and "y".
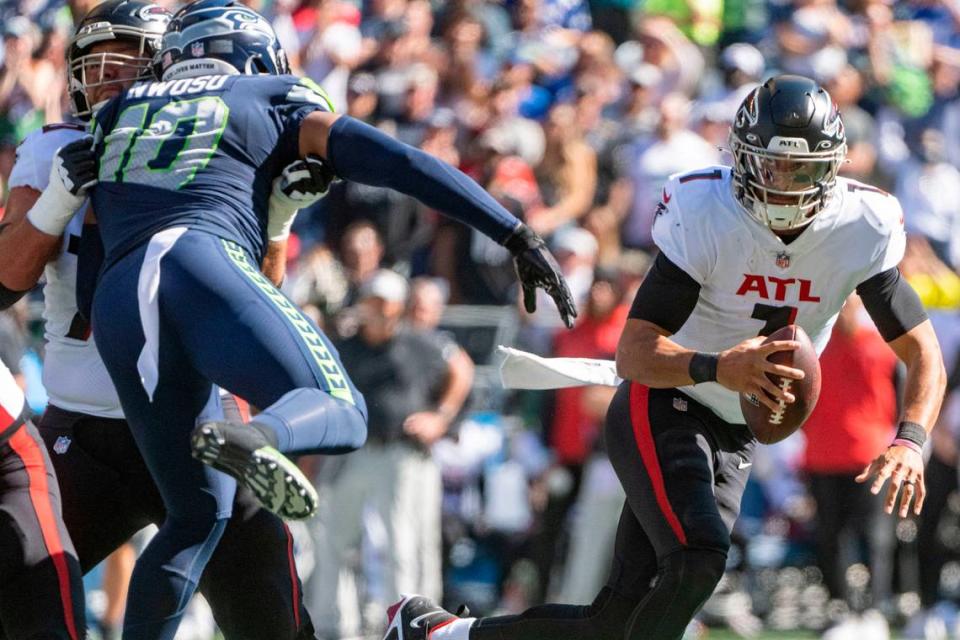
{"x": 456, "y": 630}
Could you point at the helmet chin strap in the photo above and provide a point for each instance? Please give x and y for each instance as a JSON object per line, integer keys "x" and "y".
{"x": 779, "y": 217}
{"x": 199, "y": 67}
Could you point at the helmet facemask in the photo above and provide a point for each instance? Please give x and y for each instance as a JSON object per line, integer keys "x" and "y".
{"x": 87, "y": 70}
{"x": 784, "y": 189}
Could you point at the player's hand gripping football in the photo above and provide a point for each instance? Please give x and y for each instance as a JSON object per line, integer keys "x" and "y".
{"x": 743, "y": 368}
{"x": 302, "y": 183}
{"x": 72, "y": 172}
{"x": 904, "y": 467}
{"x": 536, "y": 267}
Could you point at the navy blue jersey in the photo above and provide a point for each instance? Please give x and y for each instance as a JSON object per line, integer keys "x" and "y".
{"x": 197, "y": 152}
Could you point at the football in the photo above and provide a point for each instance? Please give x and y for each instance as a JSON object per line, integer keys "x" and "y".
{"x": 773, "y": 426}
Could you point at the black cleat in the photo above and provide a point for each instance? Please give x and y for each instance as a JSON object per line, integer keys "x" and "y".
{"x": 243, "y": 452}
{"x": 415, "y": 617}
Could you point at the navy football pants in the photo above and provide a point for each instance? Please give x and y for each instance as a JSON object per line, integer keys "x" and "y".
{"x": 684, "y": 471}
{"x": 176, "y": 315}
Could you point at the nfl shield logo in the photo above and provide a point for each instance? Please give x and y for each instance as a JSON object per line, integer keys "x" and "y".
{"x": 783, "y": 260}
{"x": 61, "y": 445}
{"x": 196, "y": 49}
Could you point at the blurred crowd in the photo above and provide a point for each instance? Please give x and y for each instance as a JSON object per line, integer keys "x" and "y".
{"x": 573, "y": 113}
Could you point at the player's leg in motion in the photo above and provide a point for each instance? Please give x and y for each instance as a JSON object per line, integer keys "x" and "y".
{"x": 108, "y": 495}
{"x": 198, "y": 500}
{"x": 41, "y": 592}
{"x": 199, "y": 316}
{"x": 673, "y": 534}
{"x": 252, "y": 341}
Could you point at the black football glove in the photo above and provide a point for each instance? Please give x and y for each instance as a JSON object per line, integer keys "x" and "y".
{"x": 306, "y": 180}
{"x": 73, "y": 171}
{"x": 77, "y": 164}
{"x": 536, "y": 267}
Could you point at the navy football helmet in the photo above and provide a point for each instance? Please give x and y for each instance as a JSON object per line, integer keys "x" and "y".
{"x": 219, "y": 37}
{"x": 140, "y": 22}
{"x": 787, "y": 143}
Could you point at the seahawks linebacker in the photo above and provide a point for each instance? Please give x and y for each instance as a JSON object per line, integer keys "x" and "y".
{"x": 107, "y": 491}
{"x": 776, "y": 239}
{"x": 184, "y": 170}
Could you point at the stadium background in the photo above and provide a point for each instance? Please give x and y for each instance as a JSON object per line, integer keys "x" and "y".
{"x": 573, "y": 114}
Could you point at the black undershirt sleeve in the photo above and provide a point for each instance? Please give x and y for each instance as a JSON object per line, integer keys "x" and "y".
{"x": 667, "y": 296}
{"x": 892, "y": 303}
{"x": 8, "y": 297}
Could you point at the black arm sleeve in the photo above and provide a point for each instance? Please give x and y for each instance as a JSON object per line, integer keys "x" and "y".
{"x": 9, "y": 297}
{"x": 892, "y": 303}
{"x": 667, "y": 296}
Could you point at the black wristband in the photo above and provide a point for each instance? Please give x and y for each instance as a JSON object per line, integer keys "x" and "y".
{"x": 912, "y": 432}
{"x": 703, "y": 367}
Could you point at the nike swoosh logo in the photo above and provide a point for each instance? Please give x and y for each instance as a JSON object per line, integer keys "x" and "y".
{"x": 666, "y": 197}
{"x": 417, "y": 622}
{"x": 744, "y": 465}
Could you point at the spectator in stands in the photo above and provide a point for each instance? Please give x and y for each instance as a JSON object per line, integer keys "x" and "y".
{"x": 334, "y": 48}
{"x": 846, "y": 89}
{"x": 567, "y": 175}
{"x": 853, "y": 420}
{"x": 383, "y": 504}
{"x": 929, "y": 190}
{"x": 671, "y": 148}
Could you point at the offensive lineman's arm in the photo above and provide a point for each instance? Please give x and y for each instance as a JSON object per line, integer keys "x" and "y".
{"x": 34, "y": 220}
{"x": 363, "y": 154}
{"x": 24, "y": 249}
{"x": 899, "y": 315}
{"x": 647, "y": 355}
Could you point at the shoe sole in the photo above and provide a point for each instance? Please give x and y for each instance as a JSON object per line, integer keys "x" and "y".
{"x": 272, "y": 477}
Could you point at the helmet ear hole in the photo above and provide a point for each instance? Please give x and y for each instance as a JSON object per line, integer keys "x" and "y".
{"x": 255, "y": 65}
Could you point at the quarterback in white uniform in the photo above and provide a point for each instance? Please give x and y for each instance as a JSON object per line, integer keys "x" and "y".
{"x": 774, "y": 240}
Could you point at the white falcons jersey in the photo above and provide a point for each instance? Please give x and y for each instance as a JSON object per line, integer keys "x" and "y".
{"x": 753, "y": 283}
{"x": 73, "y": 373}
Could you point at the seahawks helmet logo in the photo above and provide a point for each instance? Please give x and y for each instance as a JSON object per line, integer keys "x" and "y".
{"x": 242, "y": 18}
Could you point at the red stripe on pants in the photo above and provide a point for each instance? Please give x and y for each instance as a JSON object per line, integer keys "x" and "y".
{"x": 640, "y": 417}
{"x": 29, "y": 452}
{"x": 244, "y": 408}
{"x": 293, "y": 577}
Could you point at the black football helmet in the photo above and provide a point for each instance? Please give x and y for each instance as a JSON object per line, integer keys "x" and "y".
{"x": 787, "y": 143}
{"x": 140, "y": 21}
{"x": 219, "y": 37}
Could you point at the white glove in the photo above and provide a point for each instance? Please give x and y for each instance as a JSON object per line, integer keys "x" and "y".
{"x": 302, "y": 183}
{"x": 72, "y": 172}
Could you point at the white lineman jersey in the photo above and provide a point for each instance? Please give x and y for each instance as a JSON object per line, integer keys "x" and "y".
{"x": 751, "y": 282}
{"x": 73, "y": 373}
{"x": 12, "y": 402}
